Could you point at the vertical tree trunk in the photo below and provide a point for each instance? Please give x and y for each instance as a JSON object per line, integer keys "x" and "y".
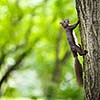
{"x": 89, "y": 15}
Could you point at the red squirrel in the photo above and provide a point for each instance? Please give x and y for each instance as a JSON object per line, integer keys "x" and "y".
{"x": 74, "y": 48}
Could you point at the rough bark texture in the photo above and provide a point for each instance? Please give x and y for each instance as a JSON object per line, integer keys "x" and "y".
{"x": 89, "y": 15}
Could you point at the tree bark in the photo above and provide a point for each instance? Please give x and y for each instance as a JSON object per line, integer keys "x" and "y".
{"x": 89, "y": 15}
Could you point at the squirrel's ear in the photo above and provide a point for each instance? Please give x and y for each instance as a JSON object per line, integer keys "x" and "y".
{"x": 67, "y": 21}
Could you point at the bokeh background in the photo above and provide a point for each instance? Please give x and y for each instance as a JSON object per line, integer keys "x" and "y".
{"x": 35, "y": 59}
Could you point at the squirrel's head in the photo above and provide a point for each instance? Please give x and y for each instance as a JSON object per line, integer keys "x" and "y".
{"x": 65, "y": 23}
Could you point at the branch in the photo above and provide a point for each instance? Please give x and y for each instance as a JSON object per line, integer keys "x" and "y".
{"x": 13, "y": 67}
{"x": 4, "y": 55}
{"x": 16, "y": 65}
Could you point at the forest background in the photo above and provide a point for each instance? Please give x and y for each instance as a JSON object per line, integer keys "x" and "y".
{"x": 35, "y": 57}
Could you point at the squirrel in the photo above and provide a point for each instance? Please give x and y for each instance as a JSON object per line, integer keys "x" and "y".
{"x": 74, "y": 48}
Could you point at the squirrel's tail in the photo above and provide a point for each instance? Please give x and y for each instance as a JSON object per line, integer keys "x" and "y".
{"x": 78, "y": 71}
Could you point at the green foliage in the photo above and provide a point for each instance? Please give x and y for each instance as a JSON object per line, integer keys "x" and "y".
{"x": 33, "y": 43}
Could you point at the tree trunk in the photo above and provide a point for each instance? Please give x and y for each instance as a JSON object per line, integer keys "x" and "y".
{"x": 89, "y": 15}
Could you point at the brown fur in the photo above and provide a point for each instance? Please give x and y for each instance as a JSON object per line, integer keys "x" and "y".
{"x": 74, "y": 48}
{"x": 78, "y": 71}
